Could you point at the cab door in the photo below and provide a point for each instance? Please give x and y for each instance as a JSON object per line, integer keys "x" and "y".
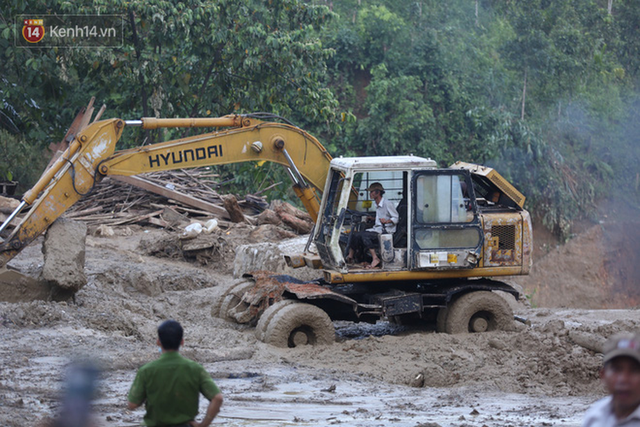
{"x": 445, "y": 227}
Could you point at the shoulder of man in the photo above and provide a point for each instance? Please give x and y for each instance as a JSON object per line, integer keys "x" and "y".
{"x": 192, "y": 364}
{"x": 598, "y": 412}
{"x": 163, "y": 359}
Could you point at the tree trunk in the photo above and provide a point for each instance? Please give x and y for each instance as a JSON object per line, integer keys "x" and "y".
{"x": 524, "y": 94}
{"x": 137, "y": 45}
{"x": 477, "y": 23}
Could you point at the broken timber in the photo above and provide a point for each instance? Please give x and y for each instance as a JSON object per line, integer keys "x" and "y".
{"x": 170, "y": 194}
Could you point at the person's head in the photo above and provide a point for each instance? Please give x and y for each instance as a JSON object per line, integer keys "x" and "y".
{"x": 621, "y": 372}
{"x": 170, "y": 335}
{"x": 463, "y": 188}
{"x": 376, "y": 190}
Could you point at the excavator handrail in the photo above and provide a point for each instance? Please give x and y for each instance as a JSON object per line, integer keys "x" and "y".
{"x": 92, "y": 155}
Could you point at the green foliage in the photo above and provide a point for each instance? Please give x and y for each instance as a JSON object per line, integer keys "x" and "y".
{"x": 18, "y": 161}
{"x": 544, "y": 91}
{"x": 179, "y": 59}
{"x": 536, "y": 89}
{"x": 192, "y": 58}
{"x": 255, "y": 177}
{"x": 380, "y": 33}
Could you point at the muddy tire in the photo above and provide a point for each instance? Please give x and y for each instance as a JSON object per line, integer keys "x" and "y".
{"x": 239, "y": 284}
{"x": 299, "y": 324}
{"x": 230, "y": 299}
{"x": 268, "y": 314}
{"x": 441, "y": 320}
{"x": 479, "y": 311}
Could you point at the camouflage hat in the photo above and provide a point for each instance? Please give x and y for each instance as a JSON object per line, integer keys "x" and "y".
{"x": 622, "y": 344}
{"x": 375, "y": 186}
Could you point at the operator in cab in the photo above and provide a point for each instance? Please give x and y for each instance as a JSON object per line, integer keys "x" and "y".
{"x": 385, "y": 223}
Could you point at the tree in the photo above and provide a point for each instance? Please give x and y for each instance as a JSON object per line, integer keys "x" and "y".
{"x": 187, "y": 59}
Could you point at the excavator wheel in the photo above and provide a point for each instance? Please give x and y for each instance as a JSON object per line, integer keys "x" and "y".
{"x": 268, "y": 314}
{"x": 479, "y": 311}
{"x": 230, "y": 298}
{"x": 299, "y": 324}
{"x": 441, "y": 319}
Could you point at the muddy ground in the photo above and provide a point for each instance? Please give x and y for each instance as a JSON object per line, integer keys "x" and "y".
{"x": 543, "y": 374}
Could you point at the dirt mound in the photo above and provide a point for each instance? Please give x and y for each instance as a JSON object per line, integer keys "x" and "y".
{"x": 595, "y": 269}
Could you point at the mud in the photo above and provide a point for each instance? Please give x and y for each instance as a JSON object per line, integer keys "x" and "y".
{"x": 538, "y": 375}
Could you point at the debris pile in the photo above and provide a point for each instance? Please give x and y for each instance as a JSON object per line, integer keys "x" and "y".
{"x": 164, "y": 199}
{"x": 186, "y": 203}
{"x": 174, "y": 199}
{"x": 203, "y": 226}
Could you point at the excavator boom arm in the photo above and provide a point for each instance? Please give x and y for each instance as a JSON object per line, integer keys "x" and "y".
{"x": 92, "y": 155}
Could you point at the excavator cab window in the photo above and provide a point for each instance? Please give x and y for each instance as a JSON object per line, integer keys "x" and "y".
{"x": 440, "y": 199}
{"x": 331, "y": 214}
{"x": 392, "y": 182}
{"x": 444, "y": 218}
{"x": 489, "y": 195}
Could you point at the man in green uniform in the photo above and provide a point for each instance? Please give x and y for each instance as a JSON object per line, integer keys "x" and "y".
{"x": 170, "y": 386}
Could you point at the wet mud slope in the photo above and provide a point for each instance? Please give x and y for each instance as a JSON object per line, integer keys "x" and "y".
{"x": 541, "y": 374}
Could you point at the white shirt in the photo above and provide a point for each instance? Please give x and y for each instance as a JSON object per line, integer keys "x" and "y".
{"x": 385, "y": 209}
{"x": 600, "y": 414}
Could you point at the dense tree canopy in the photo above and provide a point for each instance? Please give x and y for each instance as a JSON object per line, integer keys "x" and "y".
{"x": 545, "y": 91}
{"x": 179, "y": 59}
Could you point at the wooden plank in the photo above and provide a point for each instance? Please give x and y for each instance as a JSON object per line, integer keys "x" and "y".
{"x": 102, "y": 109}
{"x": 137, "y": 218}
{"x": 87, "y": 115}
{"x": 189, "y": 211}
{"x": 159, "y": 222}
{"x": 84, "y": 212}
{"x": 170, "y": 194}
{"x": 94, "y": 217}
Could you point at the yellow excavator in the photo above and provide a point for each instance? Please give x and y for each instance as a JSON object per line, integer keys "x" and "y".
{"x": 459, "y": 227}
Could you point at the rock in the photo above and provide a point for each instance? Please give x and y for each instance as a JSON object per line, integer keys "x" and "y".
{"x": 64, "y": 253}
{"x": 270, "y": 257}
{"x": 8, "y": 205}
{"x": 589, "y": 341}
{"x": 417, "y": 381}
{"x": 259, "y": 256}
{"x": 104, "y": 231}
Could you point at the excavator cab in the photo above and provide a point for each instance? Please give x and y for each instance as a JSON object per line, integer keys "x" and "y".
{"x": 458, "y": 228}
{"x": 346, "y": 207}
{"x": 457, "y": 219}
